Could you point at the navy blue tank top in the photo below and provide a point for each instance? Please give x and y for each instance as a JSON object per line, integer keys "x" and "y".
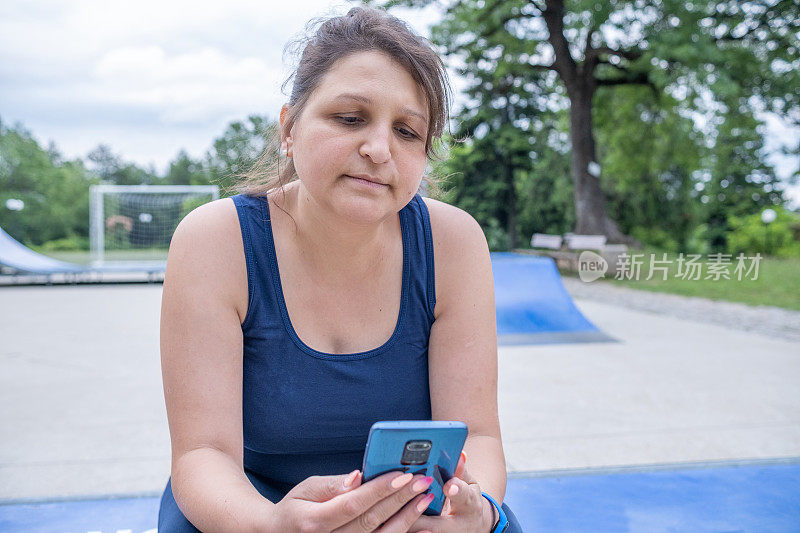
{"x": 307, "y": 412}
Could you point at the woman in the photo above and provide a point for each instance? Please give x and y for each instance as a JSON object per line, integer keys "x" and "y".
{"x": 296, "y": 315}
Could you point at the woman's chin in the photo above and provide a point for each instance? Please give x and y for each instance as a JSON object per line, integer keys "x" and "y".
{"x": 363, "y": 211}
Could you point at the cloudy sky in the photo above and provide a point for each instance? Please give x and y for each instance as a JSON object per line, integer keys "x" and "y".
{"x": 147, "y": 77}
{"x": 151, "y": 77}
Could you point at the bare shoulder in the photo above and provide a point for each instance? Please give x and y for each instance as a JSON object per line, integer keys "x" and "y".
{"x": 209, "y": 220}
{"x": 456, "y": 234}
{"x": 206, "y": 251}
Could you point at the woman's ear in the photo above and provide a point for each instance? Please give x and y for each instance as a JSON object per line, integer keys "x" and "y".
{"x": 284, "y": 109}
{"x": 286, "y": 138}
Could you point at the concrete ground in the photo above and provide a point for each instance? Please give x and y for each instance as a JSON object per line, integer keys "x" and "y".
{"x": 82, "y": 414}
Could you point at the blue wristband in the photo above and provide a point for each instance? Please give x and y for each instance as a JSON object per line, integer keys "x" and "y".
{"x": 502, "y": 521}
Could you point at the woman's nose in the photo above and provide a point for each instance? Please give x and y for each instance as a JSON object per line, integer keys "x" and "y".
{"x": 376, "y": 144}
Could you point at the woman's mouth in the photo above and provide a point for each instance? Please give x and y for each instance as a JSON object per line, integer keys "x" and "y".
{"x": 367, "y": 182}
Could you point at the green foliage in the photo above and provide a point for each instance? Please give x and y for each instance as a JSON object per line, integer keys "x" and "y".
{"x": 190, "y": 204}
{"x": 55, "y": 193}
{"x": 740, "y": 183}
{"x": 657, "y": 238}
{"x": 110, "y": 168}
{"x": 781, "y": 238}
{"x": 73, "y": 243}
{"x": 674, "y": 115}
{"x": 504, "y": 173}
{"x": 698, "y": 242}
{"x": 183, "y": 170}
{"x": 235, "y": 151}
{"x": 648, "y": 177}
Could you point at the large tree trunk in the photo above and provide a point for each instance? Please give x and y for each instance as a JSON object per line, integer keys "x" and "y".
{"x": 590, "y": 201}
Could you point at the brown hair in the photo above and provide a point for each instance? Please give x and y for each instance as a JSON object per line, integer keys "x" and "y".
{"x": 361, "y": 29}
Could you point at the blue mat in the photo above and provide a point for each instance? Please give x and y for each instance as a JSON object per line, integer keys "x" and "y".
{"x": 532, "y": 305}
{"x": 744, "y": 497}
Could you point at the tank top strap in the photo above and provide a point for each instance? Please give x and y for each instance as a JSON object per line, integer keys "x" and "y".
{"x": 420, "y": 241}
{"x": 254, "y": 221}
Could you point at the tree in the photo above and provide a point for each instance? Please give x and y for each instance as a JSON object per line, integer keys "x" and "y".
{"x": 708, "y": 50}
{"x": 237, "y": 149}
{"x": 507, "y": 173}
{"x": 55, "y": 192}
{"x": 183, "y": 170}
{"x": 649, "y": 177}
{"x": 110, "y": 168}
{"x": 740, "y": 183}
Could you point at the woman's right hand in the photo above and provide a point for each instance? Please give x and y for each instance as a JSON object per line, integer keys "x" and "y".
{"x": 389, "y": 503}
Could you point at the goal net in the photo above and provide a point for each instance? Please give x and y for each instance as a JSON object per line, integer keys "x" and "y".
{"x": 134, "y": 223}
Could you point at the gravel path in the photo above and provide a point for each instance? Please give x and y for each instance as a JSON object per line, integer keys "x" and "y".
{"x": 765, "y": 320}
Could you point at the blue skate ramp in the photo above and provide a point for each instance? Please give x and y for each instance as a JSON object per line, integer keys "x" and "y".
{"x": 532, "y": 305}
{"x": 19, "y": 257}
{"x": 718, "y": 497}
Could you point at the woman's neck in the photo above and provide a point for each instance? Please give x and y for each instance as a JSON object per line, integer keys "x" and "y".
{"x": 332, "y": 244}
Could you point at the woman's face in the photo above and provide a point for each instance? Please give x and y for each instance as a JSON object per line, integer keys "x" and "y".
{"x": 367, "y": 118}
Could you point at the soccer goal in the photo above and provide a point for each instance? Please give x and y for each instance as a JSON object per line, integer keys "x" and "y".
{"x": 134, "y": 223}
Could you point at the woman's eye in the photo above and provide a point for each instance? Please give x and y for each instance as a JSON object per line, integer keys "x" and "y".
{"x": 349, "y": 120}
{"x": 407, "y": 133}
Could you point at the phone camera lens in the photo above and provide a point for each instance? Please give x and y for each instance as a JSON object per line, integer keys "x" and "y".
{"x": 416, "y": 452}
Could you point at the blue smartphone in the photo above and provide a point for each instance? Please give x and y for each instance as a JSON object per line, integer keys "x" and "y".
{"x": 428, "y": 447}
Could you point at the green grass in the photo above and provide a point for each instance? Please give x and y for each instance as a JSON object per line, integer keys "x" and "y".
{"x": 777, "y": 283}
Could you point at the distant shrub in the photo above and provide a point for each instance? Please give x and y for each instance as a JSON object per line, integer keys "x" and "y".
{"x": 656, "y": 238}
{"x": 496, "y": 237}
{"x": 781, "y": 238}
{"x": 697, "y": 243}
{"x": 67, "y": 244}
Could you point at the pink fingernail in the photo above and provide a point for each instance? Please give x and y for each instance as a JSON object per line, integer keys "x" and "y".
{"x": 423, "y": 483}
{"x": 401, "y": 481}
{"x": 425, "y": 502}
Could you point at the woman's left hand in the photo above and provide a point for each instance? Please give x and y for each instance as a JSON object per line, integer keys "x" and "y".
{"x": 465, "y": 511}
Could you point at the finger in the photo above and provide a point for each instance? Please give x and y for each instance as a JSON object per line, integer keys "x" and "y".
{"x": 345, "y": 507}
{"x": 462, "y": 495}
{"x": 324, "y": 488}
{"x": 402, "y": 521}
{"x": 427, "y": 523}
{"x": 388, "y": 507}
{"x": 466, "y": 476}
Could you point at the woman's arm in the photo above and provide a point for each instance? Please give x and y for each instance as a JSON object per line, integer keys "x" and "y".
{"x": 203, "y": 303}
{"x": 463, "y": 343}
